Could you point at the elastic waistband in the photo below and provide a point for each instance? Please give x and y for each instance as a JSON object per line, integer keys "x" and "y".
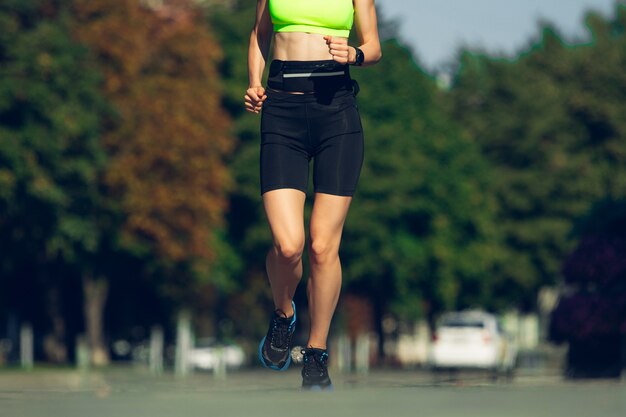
{"x": 308, "y": 97}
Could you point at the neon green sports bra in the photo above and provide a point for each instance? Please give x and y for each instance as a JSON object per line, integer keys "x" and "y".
{"x": 326, "y": 17}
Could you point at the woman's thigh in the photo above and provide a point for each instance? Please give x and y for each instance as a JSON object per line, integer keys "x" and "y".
{"x": 327, "y": 220}
{"x": 284, "y": 209}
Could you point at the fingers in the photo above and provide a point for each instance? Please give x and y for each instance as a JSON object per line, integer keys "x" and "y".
{"x": 339, "y": 44}
{"x": 338, "y": 48}
{"x": 335, "y": 40}
{"x": 254, "y": 98}
{"x": 253, "y": 106}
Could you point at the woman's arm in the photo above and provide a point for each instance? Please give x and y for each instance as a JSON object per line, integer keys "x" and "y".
{"x": 367, "y": 32}
{"x": 258, "y": 51}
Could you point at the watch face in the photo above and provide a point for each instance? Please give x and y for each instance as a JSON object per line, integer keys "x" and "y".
{"x": 359, "y": 56}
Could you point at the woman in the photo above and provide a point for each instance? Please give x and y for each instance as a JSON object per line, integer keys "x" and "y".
{"x": 308, "y": 112}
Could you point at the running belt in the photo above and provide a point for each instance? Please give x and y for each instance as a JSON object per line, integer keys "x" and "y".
{"x": 309, "y": 76}
{"x": 314, "y": 74}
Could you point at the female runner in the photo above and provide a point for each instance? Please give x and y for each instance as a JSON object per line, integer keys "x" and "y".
{"x": 308, "y": 112}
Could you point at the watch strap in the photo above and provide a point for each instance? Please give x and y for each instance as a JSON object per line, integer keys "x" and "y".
{"x": 359, "y": 57}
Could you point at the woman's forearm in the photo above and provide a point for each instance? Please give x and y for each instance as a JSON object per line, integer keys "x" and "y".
{"x": 371, "y": 52}
{"x": 258, "y": 52}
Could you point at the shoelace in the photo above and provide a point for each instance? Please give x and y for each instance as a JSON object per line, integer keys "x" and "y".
{"x": 317, "y": 366}
{"x": 281, "y": 334}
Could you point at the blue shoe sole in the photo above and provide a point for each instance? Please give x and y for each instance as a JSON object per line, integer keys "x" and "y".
{"x": 273, "y": 367}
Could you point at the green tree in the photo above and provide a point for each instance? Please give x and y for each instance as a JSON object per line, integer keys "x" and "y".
{"x": 551, "y": 122}
{"x": 51, "y": 157}
{"x": 166, "y": 147}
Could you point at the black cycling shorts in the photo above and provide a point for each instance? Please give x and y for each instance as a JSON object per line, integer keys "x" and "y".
{"x": 323, "y": 124}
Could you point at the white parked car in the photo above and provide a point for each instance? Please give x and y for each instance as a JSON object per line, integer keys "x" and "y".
{"x": 472, "y": 340}
{"x": 207, "y": 355}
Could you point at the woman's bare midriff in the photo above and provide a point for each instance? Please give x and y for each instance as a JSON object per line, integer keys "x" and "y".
{"x": 298, "y": 46}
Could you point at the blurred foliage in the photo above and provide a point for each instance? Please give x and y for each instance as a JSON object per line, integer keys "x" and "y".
{"x": 168, "y": 145}
{"x": 51, "y": 158}
{"x": 133, "y": 190}
{"x": 552, "y": 124}
{"x": 126, "y": 155}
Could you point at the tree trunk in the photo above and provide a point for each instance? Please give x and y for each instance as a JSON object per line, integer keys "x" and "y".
{"x": 95, "y": 291}
{"x": 54, "y": 342}
{"x": 378, "y": 328}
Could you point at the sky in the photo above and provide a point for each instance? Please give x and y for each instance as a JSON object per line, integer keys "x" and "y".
{"x": 435, "y": 29}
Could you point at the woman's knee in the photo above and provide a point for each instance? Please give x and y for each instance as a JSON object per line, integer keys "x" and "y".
{"x": 322, "y": 251}
{"x": 289, "y": 252}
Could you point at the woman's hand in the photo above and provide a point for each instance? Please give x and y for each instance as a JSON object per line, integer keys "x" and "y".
{"x": 339, "y": 49}
{"x": 254, "y": 98}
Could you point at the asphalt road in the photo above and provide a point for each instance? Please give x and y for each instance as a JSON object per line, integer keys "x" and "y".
{"x": 134, "y": 393}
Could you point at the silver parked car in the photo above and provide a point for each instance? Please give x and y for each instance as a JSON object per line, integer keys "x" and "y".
{"x": 472, "y": 340}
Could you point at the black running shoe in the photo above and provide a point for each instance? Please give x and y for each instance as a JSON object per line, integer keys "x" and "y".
{"x": 275, "y": 347}
{"x": 315, "y": 370}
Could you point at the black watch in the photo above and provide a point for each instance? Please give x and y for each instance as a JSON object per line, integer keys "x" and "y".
{"x": 359, "y": 57}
